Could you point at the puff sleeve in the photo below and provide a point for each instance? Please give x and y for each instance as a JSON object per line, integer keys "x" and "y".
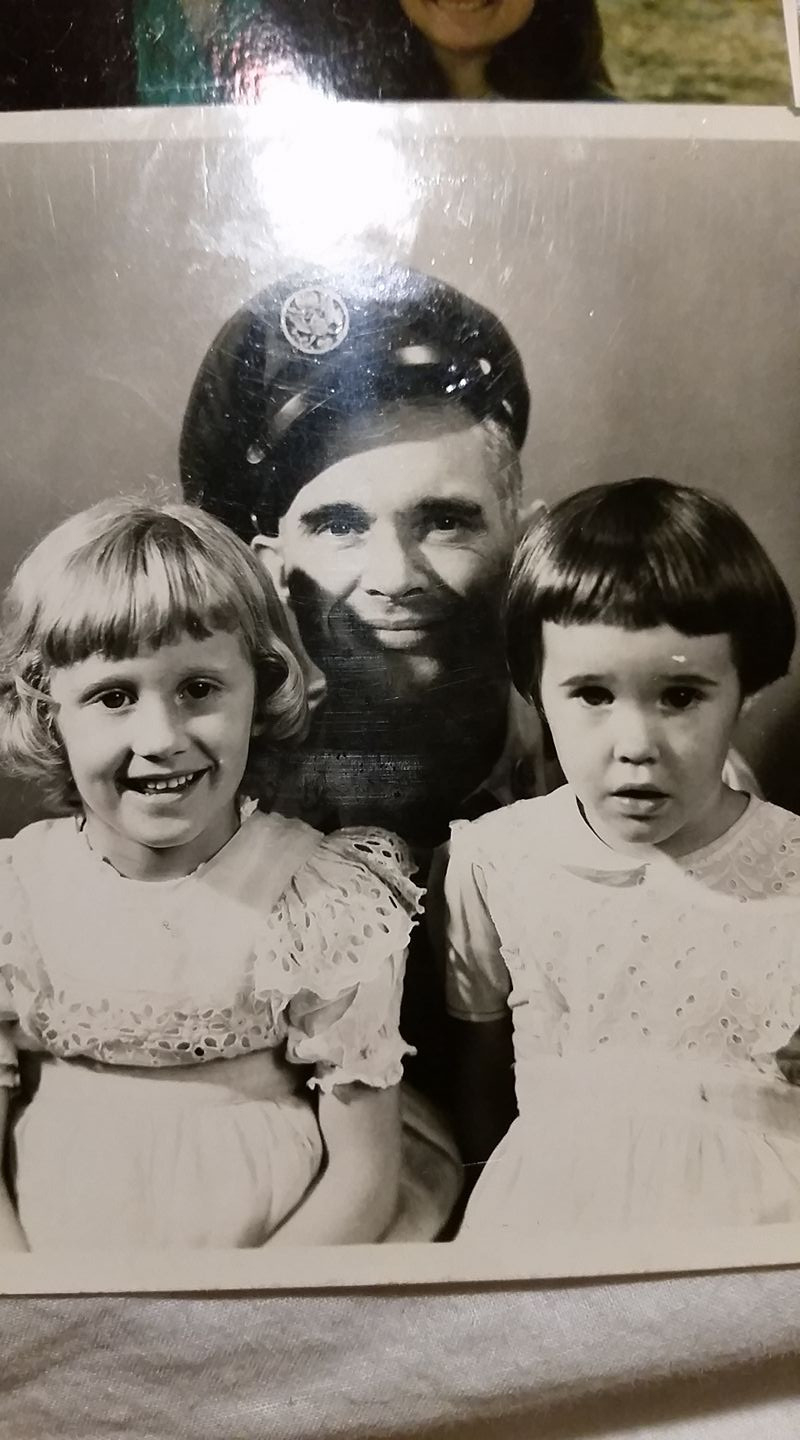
{"x": 338, "y": 952}
{"x": 477, "y": 982}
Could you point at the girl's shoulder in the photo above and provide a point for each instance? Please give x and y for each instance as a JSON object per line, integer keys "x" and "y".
{"x": 365, "y": 861}
{"x": 768, "y": 823}
{"x": 344, "y": 916}
{"x": 758, "y": 858}
{"x": 29, "y": 853}
{"x": 26, "y": 865}
{"x": 346, "y": 858}
{"x": 528, "y": 827}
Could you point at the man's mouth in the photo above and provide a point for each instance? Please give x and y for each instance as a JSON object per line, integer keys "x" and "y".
{"x": 405, "y": 634}
{"x": 419, "y": 623}
{"x": 395, "y": 617}
{"x": 163, "y": 784}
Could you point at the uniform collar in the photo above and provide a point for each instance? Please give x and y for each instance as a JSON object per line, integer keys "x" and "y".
{"x": 521, "y": 771}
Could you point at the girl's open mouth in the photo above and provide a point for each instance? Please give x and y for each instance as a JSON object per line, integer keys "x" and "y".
{"x": 633, "y": 801}
{"x": 164, "y": 785}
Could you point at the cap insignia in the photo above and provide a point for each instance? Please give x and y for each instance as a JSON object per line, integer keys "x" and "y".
{"x": 315, "y": 320}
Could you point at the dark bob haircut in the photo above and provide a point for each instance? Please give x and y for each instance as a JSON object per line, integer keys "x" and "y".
{"x": 645, "y": 553}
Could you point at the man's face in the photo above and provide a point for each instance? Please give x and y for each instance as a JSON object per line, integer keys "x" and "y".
{"x": 401, "y": 548}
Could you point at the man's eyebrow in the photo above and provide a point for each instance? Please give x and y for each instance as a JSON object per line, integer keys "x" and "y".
{"x": 453, "y": 504}
{"x": 334, "y": 510}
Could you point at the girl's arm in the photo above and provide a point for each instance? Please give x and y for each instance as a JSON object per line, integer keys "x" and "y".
{"x": 355, "y": 1198}
{"x": 477, "y": 985}
{"x": 484, "y": 1100}
{"x": 12, "y": 1235}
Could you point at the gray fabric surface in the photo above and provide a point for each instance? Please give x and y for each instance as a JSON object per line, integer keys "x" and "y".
{"x": 708, "y": 1356}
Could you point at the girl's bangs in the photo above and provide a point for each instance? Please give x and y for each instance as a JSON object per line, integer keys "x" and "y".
{"x": 142, "y": 599}
{"x": 643, "y": 592}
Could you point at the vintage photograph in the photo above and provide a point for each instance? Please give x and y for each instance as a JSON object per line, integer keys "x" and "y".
{"x": 186, "y": 52}
{"x": 400, "y": 869}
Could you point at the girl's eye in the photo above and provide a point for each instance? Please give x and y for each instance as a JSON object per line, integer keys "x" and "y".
{"x": 680, "y": 697}
{"x": 594, "y": 695}
{"x": 199, "y": 689}
{"x": 113, "y": 699}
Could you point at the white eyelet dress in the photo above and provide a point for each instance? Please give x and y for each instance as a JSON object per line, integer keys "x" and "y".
{"x": 180, "y": 1024}
{"x": 648, "y": 1001}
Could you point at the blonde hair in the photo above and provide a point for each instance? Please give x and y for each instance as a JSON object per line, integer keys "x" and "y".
{"x": 126, "y": 575}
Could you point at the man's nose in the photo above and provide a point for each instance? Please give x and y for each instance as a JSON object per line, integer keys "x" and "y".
{"x": 392, "y": 566}
{"x": 158, "y": 728}
{"x": 635, "y": 735}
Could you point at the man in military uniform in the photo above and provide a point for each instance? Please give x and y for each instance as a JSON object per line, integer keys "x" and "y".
{"x": 363, "y": 433}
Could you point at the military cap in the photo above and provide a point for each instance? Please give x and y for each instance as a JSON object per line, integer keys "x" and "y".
{"x": 270, "y": 404}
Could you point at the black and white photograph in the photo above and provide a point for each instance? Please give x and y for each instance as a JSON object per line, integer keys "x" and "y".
{"x": 397, "y": 705}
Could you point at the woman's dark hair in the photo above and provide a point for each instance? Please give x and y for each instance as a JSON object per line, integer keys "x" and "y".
{"x": 349, "y": 49}
{"x": 368, "y": 49}
{"x": 65, "y": 52}
{"x": 556, "y": 55}
{"x": 646, "y": 553}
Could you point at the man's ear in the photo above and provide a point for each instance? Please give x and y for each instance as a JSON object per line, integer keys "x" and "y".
{"x": 269, "y": 551}
{"x": 529, "y": 512}
{"x": 748, "y": 702}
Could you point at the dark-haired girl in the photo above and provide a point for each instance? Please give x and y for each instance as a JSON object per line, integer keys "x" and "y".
{"x": 628, "y": 947}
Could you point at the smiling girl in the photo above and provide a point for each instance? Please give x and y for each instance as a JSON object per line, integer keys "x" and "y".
{"x": 186, "y": 971}
{"x": 628, "y": 947}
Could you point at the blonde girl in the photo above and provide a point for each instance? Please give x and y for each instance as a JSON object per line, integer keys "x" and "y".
{"x": 208, "y": 995}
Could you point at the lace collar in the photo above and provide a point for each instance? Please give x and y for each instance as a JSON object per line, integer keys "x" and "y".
{"x": 103, "y": 866}
{"x": 578, "y": 849}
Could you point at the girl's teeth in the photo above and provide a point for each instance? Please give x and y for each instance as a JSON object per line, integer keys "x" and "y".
{"x": 179, "y": 783}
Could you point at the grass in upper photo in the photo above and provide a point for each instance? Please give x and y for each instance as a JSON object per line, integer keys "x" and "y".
{"x": 702, "y": 51}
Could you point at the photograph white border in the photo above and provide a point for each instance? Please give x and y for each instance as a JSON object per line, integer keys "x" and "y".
{"x": 556, "y": 1255}
{"x": 791, "y": 15}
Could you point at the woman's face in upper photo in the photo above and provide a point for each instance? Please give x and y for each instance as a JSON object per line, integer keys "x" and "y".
{"x": 463, "y": 26}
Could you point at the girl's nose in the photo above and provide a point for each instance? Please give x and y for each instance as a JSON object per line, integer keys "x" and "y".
{"x": 391, "y": 564}
{"x": 158, "y": 729}
{"x": 635, "y": 739}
